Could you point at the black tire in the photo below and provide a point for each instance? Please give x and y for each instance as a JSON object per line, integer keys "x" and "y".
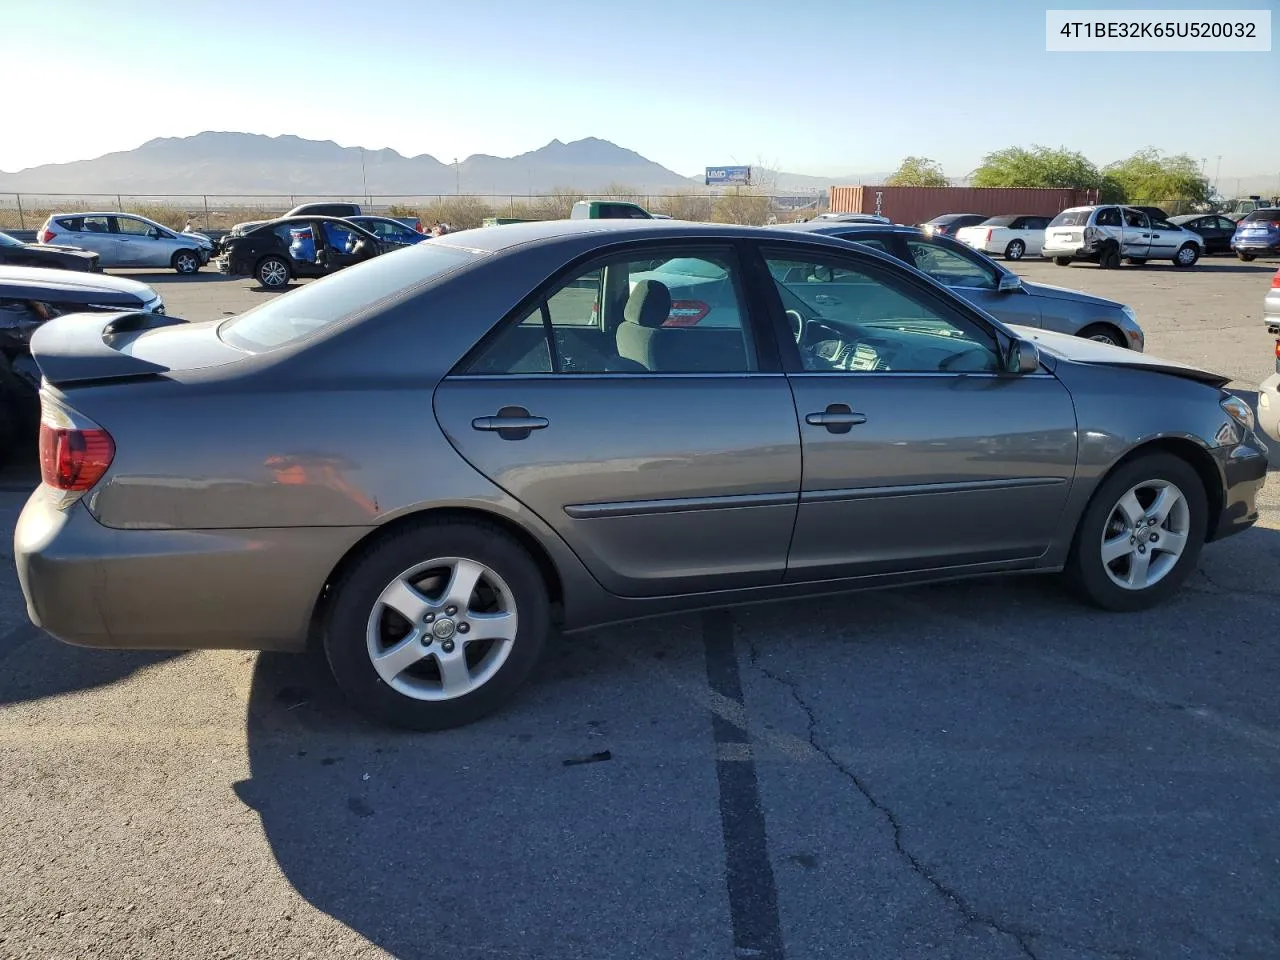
{"x": 1246, "y": 257}
{"x": 1103, "y": 332}
{"x": 1109, "y": 257}
{"x": 1015, "y": 250}
{"x": 273, "y": 273}
{"x": 186, "y": 262}
{"x": 353, "y": 604}
{"x": 1187, "y": 256}
{"x": 1062, "y": 261}
{"x": 1085, "y": 569}
{"x": 1135, "y": 261}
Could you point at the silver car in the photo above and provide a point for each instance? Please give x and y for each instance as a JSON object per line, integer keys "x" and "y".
{"x": 1269, "y": 390}
{"x": 994, "y": 288}
{"x": 436, "y": 457}
{"x": 1107, "y": 234}
{"x": 129, "y": 240}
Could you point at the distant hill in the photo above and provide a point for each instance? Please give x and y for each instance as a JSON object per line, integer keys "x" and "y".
{"x": 247, "y": 163}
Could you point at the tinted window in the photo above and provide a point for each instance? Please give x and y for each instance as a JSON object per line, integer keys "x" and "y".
{"x": 1109, "y": 217}
{"x": 1224, "y": 224}
{"x": 875, "y": 243}
{"x": 1263, "y": 216}
{"x": 1015, "y": 222}
{"x": 632, "y": 314}
{"x": 1133, "y": 218}
{"x": 317, "y": 305}
{"x": 949, "y": 267}
{"x": 858, "y": 319}
{"x": 95, "y": 225}
{"x": 1163, "y": 225}
{"x": 1070, "y": 218}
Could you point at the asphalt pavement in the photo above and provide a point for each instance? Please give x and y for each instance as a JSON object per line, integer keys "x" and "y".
{"x": 978, "y": 771}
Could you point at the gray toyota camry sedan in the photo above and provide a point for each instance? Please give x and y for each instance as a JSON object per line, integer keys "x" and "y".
{"x": 428, "y": 462}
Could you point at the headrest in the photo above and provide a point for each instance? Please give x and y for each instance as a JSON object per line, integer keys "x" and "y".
{"x": 649, "y": 304}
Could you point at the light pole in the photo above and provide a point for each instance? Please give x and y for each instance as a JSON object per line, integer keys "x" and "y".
{"x": 457, "y": 177}
{"x": 364, "y": 180}
{"x": 1217, "y": 175}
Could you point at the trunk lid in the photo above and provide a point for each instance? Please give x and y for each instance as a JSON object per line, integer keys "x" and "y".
{"x": 1080, "y": 350}
{"x": 87, "y": 347}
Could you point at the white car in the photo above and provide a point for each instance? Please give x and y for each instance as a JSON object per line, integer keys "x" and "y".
{"x": 128, "y": 240}
{"x": 1011, "y": 237}
{"x": 1106, "y": 234}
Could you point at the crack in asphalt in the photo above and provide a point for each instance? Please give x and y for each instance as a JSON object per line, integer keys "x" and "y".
{"x": 1236, "y": 591}
{"x": 971, "y": 916}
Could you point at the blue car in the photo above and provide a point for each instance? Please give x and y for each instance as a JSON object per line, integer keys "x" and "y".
{"x": 389, "y": 230}
{"x": 302, "y": 243}
{"x": 1258, "y": 234}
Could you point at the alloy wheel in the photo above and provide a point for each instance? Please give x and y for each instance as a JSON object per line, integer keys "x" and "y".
{"x": 442, "y": 629}
{"x": 274, "y": 274}
{"x": 1145, "y": 534}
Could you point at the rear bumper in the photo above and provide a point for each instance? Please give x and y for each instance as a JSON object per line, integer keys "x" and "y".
{"x": 1269, "y": 405}
{"x": 1081, "y": 252}
{"x": 1262, "y": 245}
{"x": 97, "y": 586}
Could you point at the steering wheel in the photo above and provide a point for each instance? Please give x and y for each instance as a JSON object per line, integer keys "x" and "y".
{"x": 796, "y": 319}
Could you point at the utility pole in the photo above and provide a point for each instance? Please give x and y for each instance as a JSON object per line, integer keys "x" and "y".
{"x": 1217, "y": 176}
{"x": 364, "y": 180}
{"x": 457, "y": 172}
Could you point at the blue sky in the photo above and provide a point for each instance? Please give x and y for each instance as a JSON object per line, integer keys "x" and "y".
{"x": 826, "y": 87}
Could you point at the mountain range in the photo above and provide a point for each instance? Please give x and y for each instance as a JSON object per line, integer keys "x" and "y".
{"x": 239, "y": 164}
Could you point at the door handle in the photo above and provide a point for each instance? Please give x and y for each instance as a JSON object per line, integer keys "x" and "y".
{"x": 837, "y": 418}
{"x": 511, "y": 423}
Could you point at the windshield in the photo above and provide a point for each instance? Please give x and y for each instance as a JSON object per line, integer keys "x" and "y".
{"x": 1071, "y": 218}
{"x": 309, "y": 309}
{"x": 8, "y": 241}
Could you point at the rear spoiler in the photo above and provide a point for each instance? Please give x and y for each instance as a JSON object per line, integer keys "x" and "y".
{"x": 78, "y": 347}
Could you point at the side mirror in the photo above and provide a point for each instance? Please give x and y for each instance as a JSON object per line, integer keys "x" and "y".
{"x": 1023, "y": 357}
{"x": 1009, "y": 283}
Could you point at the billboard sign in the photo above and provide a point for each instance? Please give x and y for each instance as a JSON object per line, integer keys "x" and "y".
{"x": 728, "y": 175}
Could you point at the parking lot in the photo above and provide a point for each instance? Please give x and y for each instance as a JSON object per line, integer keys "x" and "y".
{"x": 984, "y": 771}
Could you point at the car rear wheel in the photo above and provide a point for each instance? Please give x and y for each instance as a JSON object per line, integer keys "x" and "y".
{"x": 1103, "y": 333}
{"x": 1109, "y": 258}
{"x": 438, "y": 625}
{"x": 1187, "y": 255}
{"x": 1062, "y": 261}
{"x": 1246, "y": 257}
{"x": 1015, "y": 250}
{"x": 1141, "y": 534}
{"x": 186, "y": 262}
{"x": 272, "y": 273}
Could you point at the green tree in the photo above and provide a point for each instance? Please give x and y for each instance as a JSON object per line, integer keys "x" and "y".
{"x": 1149, "y": 177}
{"x": 1037, "y": 167}
{"x": 918, "y": 172}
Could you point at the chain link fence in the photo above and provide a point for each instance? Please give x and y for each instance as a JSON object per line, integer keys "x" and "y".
{"x": 214, "y": 212}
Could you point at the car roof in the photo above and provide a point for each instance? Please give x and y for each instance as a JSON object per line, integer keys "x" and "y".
{"x": 833, "y": 227}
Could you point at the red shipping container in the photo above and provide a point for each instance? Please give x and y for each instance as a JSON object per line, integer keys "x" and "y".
{"x": 913, "y": 205}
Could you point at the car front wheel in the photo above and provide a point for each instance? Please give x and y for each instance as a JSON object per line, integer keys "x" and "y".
{"x": 1187, "y": 255}
{"x": 438, "y": 625}
{"x": 273, "y": 273}
{"x": 1141, "y": 534}
{"x": 186, "y": 262}
{"x": 1246, "y": 257}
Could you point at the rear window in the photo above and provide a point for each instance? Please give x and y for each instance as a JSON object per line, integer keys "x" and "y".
{"x": 1263, "y": 216}
{"x": 997, "y": 221}
{"x": 1071, "y": 218}
{"x": 310, "y": 309}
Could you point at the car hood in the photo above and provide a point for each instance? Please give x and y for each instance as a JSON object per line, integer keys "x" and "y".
{"x": 61, "y": 248}
{"x": 40, "y": 283}
{"x": 1062, "y": 293}
{"x": 1079, "y": 350}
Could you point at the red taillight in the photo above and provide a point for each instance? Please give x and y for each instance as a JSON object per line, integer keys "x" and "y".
{"x": 686, "y": 313}
{"x": 47, "y": 235}
{"x": 988, "y": 236}
{"x": 1275, "y": 281}
{"x": 417, "y": 225}
{"x": 73, "y": 459}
